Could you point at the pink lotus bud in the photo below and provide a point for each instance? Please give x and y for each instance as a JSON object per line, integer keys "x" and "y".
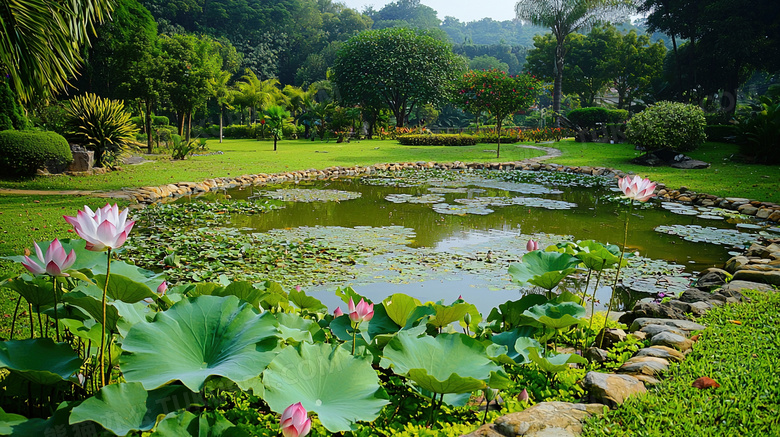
{"x": 294, "y": 421}
{"x": 298, "y": 288}
{"x": 338, "y": 312}
{"x": 636, "y": 188}
{"x": 532, "y": 245}
{"x": 162, "y": 288}
{"x": 523, "y": 396}
{"x": 363, "y": 312}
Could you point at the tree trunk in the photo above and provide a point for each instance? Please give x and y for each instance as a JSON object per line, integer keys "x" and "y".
{"x": 498, "y": 145}
{"x": 275, "y": 138}
{"x": 148, "y": 125}
{"x": 558, "y": 84}
{"x": 221, "y": 108}
{"x": 188, "y": 118}
{"x": 182, "y": 118}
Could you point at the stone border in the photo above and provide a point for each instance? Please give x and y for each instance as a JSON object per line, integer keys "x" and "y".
{"x": 147, "y": 195}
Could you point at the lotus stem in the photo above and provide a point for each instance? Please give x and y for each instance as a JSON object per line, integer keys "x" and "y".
{"x": 32, "y": 321}
{"x": 40, "y": 322}
{"x": 101, "y": 354}
{"x": 56, "y": 316}
{"x": 354, "y": 334}
{"x": 487, "y": 407}
{"x": 617, "y": 275}
{"x": 593, "y": 301}
{"x": 16, "y": 312}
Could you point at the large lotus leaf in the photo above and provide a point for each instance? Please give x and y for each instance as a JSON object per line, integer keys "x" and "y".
{"x": 40, "y": 360}
{"x": 273, "y": 295}
{"x": 242, "y": 290}
{"x": 566, "y": 296}
{"x": 205, "y": 289}
{"x": 295, "y": 329}
{"x": 554, "y": 363}
{"x": 38, "y": 291}
{"x": 122, "y": 408}
{"x": 8, "y": 421}
{"x": 340, "y": 388}
{"x": 399, "y": 307}
{"x": 543, "y": 269}
{"x": 84, "y": 297}
{"x": 446, "y": 314}
{"x": 124, "y": 289}
{"x": 131, "y": 314}
{"x": 448, "y": 363}
{"x": 341, "y": 327}
{"x": 510, "y": 313}
{"x": 132, "y": 272}
{"x": 453, "y": 399}
{"x": 58, "y": 421}
{"x": 596, "y": 256}
{"x": 198, "y": 338}
{"x": 381, "y": 323}
{"x": 186, "y": 424}
{"x": 88, "y": 330}
{"x": 557, "y": 316}
{"x": 508, "y": 340}
{"x": 306, "y": 303}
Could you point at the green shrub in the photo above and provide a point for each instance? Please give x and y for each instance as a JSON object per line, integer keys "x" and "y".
{"x": 437, "y": 140}
{"x": 160, "y": 120}
{"x": 760, "y": 134}
{"x": 241, "y": 131}
{"x": 592, "y": 118}
{"x": 678, "y": 126}
{"x": 11, "y": 114}
{"x": 724, "y": 133}
{"x": 101, "y": 125}
{"x": 22, "y": 153}
{"x": 492, "y": 138}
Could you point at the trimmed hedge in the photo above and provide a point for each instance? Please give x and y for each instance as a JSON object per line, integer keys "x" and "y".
{"x": 437, "y": 140}
{"x": 22, "y": 153}
{"x": 492, "y": 138}
{"x": 678, "y": 126}
{"x": 591, "y": 118}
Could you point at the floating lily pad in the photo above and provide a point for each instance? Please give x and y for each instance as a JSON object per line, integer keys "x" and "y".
{"x": 390, "y": 182}
{"x": 309, "y": 195}
{"x": 461, "y": 190}
{"x": 446, "y": 208}
{"x": 535, "y": 202}
{"x": 699, "y": 234}
{"x": 408, "y": 198}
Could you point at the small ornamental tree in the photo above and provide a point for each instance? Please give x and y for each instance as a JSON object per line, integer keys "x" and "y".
{"x": 497, "y": 93}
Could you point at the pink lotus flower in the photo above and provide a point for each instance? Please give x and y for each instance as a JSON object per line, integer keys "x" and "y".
{"x": 636, "y": 188}
{"x": 338, "y": 312}
{"x": 103, "y": 229}
{"x": 523, "y": 396}
{"x": 54, "y": 263}
{"x": 294, "y": 421}
{"x": 363, "y": 312}
{"x": 162, "y": 288}
{"x": 532, "y": 245}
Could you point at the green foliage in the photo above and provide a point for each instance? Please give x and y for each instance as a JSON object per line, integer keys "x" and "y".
{"x": 22, "y": 153}
{"x": 590, "y": 118}
{"x": 11, "y": 115}
{"x": 761, "y": 132}
{"x": 181, "y": 149}
{"x": 678, "y": 126}
{"x": 543, "y": 269}
{"x": 437, "y": 140}
{"x": 724, "y": 133}
{"x": 393, "y": 68}
{"x": 101, "y": 125}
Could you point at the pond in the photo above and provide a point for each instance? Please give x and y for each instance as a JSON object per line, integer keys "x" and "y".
{"x": 431, "y": 234}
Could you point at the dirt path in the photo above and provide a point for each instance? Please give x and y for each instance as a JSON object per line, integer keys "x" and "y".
{"x": 550, "y": 152}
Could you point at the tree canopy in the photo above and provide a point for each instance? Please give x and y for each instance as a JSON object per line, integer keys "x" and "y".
{"x": 395, "y": 68}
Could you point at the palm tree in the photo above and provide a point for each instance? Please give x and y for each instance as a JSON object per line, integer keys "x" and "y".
{"x": 40, "y": 39}
{"x": 222, "y": 92}
{"x": 276, "y": 117}
{"x": 565, "y": 17}
{"x": 256, "y": 93}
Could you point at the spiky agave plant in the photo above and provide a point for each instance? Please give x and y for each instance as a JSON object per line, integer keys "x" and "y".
{"x": 101, "y": 125}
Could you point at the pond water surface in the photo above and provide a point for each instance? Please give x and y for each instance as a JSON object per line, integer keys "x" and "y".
{"x": 439, "y": 235}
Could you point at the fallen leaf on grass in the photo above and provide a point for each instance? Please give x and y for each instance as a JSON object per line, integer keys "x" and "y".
{"x": 705, "y": 382}
{"x": 695, "y": 337}
{"x": 736, "y": 322}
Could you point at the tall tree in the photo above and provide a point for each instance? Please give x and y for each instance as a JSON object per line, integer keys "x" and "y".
{"x": 39, "y": 41}
{"x": 497, "y": 93}
{"x": 255, "y": 93}
{"x": 395, "y": 68}
{"x": 635, "y": 65}
{"x": 564, "y": 17}
{"x": 221, "y": 91}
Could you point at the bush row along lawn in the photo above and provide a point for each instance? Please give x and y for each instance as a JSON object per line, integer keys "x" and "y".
{"x": 740, "y": 349}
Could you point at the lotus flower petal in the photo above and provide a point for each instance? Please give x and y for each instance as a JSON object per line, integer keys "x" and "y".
{"x": 295, "y": 422}
{"x": 103, "y": 229}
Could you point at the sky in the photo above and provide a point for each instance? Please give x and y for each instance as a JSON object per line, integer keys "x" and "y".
{"x": 464, "y": 10}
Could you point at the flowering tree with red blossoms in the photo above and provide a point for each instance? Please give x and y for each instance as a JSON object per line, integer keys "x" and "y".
{"x": 497, "y": 93}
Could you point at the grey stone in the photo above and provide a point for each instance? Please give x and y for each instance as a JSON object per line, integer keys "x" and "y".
{"x": 735, "y": 263}
{"x": 595, "y": 355}
{"x": 671, "y": 340}
{"x": 664, "y": 352}
{"x": 740, "y": 285}
{"x": 647, "y": 379}
{"x": 691, "y": 164}
{"x": 645, "y": 366}
{"x": 758, "y": 250}
{"x": 611, "y": 389}
{"x": 654, "y": 310}
{"x": 692, "y": 295}
{"x": 611, "y": 336}
{"x": 771, "y": 277}
{"x": 652, "y": 330}
{"x": 561, "y": 417}
{"x": 700, "y": 308}
{"x": 83, "y": 160}
{"x": 712, "y": 277}
{"x": 682, "y": 325}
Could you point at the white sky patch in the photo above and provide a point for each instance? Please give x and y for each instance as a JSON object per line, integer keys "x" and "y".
{"x": 463, "y": 10}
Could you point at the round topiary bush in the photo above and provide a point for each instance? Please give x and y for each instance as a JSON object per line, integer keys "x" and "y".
{"x": 22, "y": 153}
{"x": 678, "y": 126}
